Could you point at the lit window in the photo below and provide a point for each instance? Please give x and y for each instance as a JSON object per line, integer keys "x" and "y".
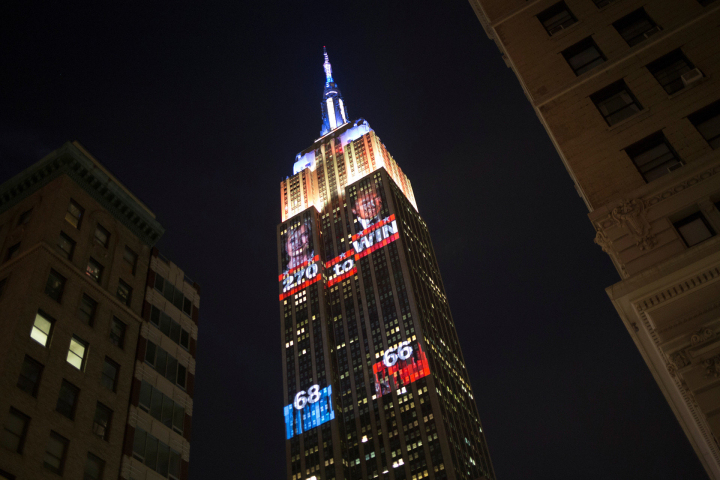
{"x": 94, "y": 270}
{"x": 66, "y": 246}
{"x": 14, "y": 431}
{"x": 76, "y": 352}
{"x": 102, "y": 236}
{"x": 653, "y": 157}
{"x": 109, "y": 374}
{"x": 669, "y": 69}
{"x": 41, "y": 328}
{"x": 30, "y": 373}
{"x": 130, "y": 259}
{"x": 117, "y": 332}
{"x": 615, "y": 102}
{"x": 101, "y": 422}
{"x": 55, "y": 453}
{"x": 707, "y": 122}
{"x": 55, "y": 285}
{"x": 583, "y": 56}
{"x": 88, "y": 306}
{"x": 556, "y": 18}
{"x": 124, "y": 292}
{"x": 694, "y": 229}
{"x": 74, "y": 214}
{"x": 636, "y": 27}
{"x": 94, "y": 467}
{"x": 12, "y": 251}
{"x": 67, "y": 399}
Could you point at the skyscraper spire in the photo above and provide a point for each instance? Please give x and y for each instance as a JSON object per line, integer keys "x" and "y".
{"x": 332, "y": 106}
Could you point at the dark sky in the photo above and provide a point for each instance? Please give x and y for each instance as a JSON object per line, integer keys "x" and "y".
{"x": 200, "y": 107}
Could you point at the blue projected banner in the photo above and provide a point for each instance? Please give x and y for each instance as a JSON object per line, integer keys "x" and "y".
{"x": 308, "y": 410}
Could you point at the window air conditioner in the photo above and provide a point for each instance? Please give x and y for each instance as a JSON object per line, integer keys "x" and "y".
{"x": 692, "y": 76}
{"x": 652, "y": 31}
{"x": 674, "y": 167}
{"x": 555, "y": 29}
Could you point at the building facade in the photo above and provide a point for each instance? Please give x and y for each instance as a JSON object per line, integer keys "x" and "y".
{"x": 78, "y": 285}
{"x": 375, "y": 383}
{"x": 629, "y": 93}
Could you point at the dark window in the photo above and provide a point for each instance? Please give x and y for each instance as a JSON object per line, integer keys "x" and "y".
{"x": 130, "y": 259}
{"x": 187, "y": 307}
{"x": 616, "y": 102}
{"x": 669, "y": 69}
{"x": 124, "y": 292}
{"x": 583, "y": 56}
{"x": 6, "y": 476}
{"x": 636, "y": 27}
{"x": 74, "y": 214}
{"x": 25, "y": 217}
{"x": 94, "y": 467}
{"x": 12, "y": 251}
{"x": 117, "y": 332}
{"x": 66, "y": 246}
{"x": 67, "y": 400}
{"x": 55, "y": 453}
{"x": 165, "y": 364}
{"x": 707, "y": 122}
{"x": 102, "y": 236}
{"x": 162, "y": 407}
{"x": 14, "y": 431}
{"x": 30, "y": 374}
{"x": 556, "y": 18}
{"x": 185, "y": 339}
{"x": 94, "y": 270}
{"x": 602, "y": 3}
{"x": 77, "y": 353}
{"x": 694, "y": 229}
{"x": 156, "y": 455}
{"x": 170, "y": 327}
{"x": 705, "y": 3}
{"x": 653, "y": 156}
{"x": 101, "y": 423}
{"x": 55, "y": 285}
{"x": 87, "y": 310}
{"x": 42, "y": 327}
{"x": 110, "y": 374}
{"x": 3, "y": 282}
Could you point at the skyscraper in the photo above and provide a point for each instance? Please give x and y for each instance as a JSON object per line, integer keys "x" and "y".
{"x": 374, "y": 379}
{"x": 629, "y": 93}
{"x": 98, "y": 329}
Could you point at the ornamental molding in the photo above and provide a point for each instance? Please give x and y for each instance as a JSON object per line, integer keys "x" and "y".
{"x": 632, "y": 215}
{"x": 679, "y": 288}
{"x": 690, "y": 182}
{"x": 712, "y": 367}
{"x": 606, "y": 245}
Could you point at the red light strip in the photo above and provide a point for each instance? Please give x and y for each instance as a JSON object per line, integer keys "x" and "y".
{"x": 368, "y": 251}
{"x": 300, "y": 287}
{"x": 342, "y": 277}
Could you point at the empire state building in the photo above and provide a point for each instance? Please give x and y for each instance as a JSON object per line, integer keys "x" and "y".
{"x": 375, "y": 383}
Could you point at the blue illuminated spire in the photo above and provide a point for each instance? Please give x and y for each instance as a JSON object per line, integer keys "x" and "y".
{"x": 333, "y": 109}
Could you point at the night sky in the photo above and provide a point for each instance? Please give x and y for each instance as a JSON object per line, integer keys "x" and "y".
{"x": 199, "y": 109}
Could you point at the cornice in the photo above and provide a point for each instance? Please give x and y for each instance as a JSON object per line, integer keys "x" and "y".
{"x": 71, "y": 161}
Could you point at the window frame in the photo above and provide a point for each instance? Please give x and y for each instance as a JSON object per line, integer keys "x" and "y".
{"x": 48, "y": 334}
{"x": 609, "y": 92}
{"x": 123, "y": 285}
{"x": 109, "y": 361}
{"x": 83, "y": 359}
{"x": 24, "y": 217}
{"x": 627, "y": 22}
{"x": 646, "y": 145}
{"x": 35, "y": 383}
{"x": 65, "y": 443}
{"x": 69, "y": 240}
{"x": 118, "y": 340}
{"x": 93, "y": 312}
{"x": 100, "y": 269}
{"x": 54, "y": 292}
{"x": 12, "y": 251}
{"x": 22, "y": 437}
{"x": 61, "y": 404}
{"x": 705, "y": 115}
{"x": 103, "y": 231}
{"x": 554, "y": 11}
{"x": 133, "y": 264}
{"x": 664, "y": 64}
{"x": 692, "y": 218}
{"x": 77, "y": 223}
{"x": 101, "y": 464}
{"x": 575, "y": 50}
{"x": 101, "y": 407}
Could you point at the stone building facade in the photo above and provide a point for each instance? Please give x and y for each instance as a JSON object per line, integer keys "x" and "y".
{"x": 629, "y": 93}
{"x": 77, "y": 278}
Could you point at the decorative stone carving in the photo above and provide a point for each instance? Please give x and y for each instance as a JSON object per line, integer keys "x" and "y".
{"x": 701, "y": 336}
{"x": 680, "y": 359}
{"x": 712, "y": 367}
{"x": 632, "y": 216}
{"x": 606, "y": 245}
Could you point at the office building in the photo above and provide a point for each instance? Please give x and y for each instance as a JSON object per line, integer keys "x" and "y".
{"x": 99, "y": 331}
{"x": 629, "y": 93}
{"x": 375, "y": 383}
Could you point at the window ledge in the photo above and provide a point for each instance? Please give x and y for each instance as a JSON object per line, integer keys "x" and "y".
{"x": 690, "y": 87}
{"x": 638, "y": 116}
{"x": 563, "y": 33}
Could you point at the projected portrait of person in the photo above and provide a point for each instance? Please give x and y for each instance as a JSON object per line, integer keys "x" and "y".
{"x": 367, "y": 209}
{"x": 297, "y": 246}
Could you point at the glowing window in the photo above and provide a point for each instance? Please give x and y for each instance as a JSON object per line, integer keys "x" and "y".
{"x": 74, "y": 214}
{"x": 94, "y": 270}
{"x": 41, "y": 328}
{"x": 76, "y": 352}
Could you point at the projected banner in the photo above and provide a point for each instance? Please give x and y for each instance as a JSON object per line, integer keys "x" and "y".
{"x": 308, "y": 410}
{"x": 399, "y": 367}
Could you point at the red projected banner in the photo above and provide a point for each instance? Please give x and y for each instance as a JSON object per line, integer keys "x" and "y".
{"x": 375, "y": 236}
{"x": 297, "y": 278}
{"x": 399, "y": 367}
{"x": 340, "y": 268}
